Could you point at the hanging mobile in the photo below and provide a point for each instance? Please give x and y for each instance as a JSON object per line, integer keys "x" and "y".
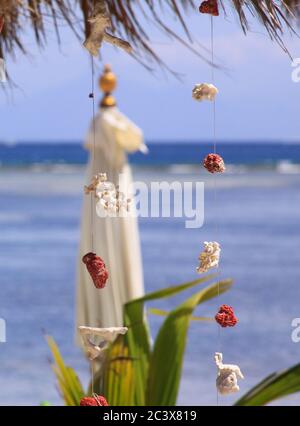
{"x": 228, "y": 375}
{"x": 104, "y": 193}
{"x": 94, "y": 264}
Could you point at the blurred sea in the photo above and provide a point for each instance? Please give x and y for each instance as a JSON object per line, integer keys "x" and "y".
{"x": 257, "y": 212}
{"x": 245, "y": 153}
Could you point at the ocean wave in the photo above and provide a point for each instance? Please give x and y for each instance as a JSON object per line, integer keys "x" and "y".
{"x": 13, "y": 218}
{"x": 282, "y": 167}
{"x": 68, "y": 180}
{"x": 287, "y": 167}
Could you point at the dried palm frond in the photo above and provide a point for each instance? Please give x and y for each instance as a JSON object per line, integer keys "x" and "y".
{"x": 274, "y": 15}
{"x": 128, "y": 17}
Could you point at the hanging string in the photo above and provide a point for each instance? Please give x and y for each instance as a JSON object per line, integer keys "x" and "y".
{"x": 213, "y": 81}
{"x": 92, "y": 96}
{"x": 92, "y": 377}
{"x": 214, "y": 132}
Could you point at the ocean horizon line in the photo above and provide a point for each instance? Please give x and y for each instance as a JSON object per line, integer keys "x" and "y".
{"x": 160, "y": 154}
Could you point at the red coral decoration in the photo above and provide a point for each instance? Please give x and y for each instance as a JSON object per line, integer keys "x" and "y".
{"x": 210, "y": 7}
{"x": 214, "y": 163}
{"x": 225, "y": 317}
{"x": 94, "y": 401}
{"x": 96, "y": 268}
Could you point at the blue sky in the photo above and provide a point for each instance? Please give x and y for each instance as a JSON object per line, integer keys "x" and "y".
{"x": 257, "y": 98}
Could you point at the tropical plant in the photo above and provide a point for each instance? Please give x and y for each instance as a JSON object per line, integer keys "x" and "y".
{"x": 128, "y": 17}
{"x": 134, "y": 371}
{"x": 69, "y": 385}
{"x": 277, "y": 385}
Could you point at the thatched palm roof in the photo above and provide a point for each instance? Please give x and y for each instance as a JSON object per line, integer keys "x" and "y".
{"x": 275, "y": 15}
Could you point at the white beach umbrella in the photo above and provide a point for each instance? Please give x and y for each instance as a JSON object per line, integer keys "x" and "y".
{"x": 116, "y": 239}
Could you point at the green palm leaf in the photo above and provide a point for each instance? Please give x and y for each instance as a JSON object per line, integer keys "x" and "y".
{"x": 118, "y": 375}
{"x": 68, "y": 382}
{"x": 167, "y": 357}
{"x": 163, "y": 313}
{"x": 138, "y": 337}
{"x": 275, "y": 386}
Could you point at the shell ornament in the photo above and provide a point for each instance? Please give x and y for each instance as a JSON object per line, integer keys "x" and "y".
{"x": 209, "y": 257}
{"x": 105, "y": 335}
{"x": 228, "y": 375}
{"x": 204, "y": 92}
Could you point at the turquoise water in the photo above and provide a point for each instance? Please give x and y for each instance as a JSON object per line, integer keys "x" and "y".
{"x": 257, "y": 212}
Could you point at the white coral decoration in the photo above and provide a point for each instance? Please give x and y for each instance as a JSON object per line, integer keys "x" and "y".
{"x": 96, "y": 180}
{"x": 205, "y": 91}
{"x": 106, "y": 335}
{"x": 110, "y": 199}
{"x": 210, "y": 256}
{"x": 227, "y": 380}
